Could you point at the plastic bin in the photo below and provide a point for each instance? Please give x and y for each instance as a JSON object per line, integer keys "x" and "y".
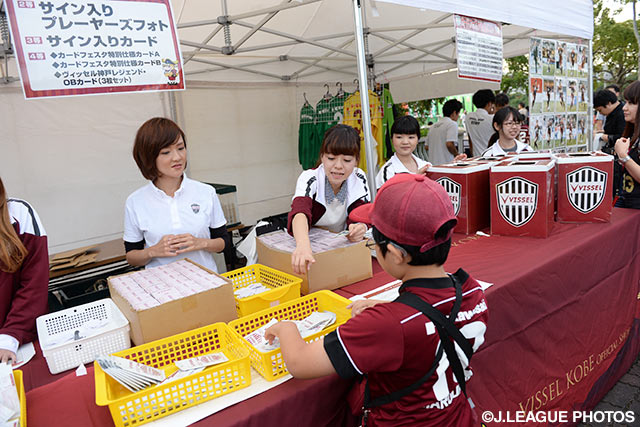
{"x": 270, "y": 364}
{"x": 284, "y": 287}
{"x": 112, "y": 337}
{"x": 228, "y": 196}
{"x": 17, "y": 376}
{"x": 132, "y": 409}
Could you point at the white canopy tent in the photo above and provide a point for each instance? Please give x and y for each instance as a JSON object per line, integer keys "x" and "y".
{"x": 247, "y": 65}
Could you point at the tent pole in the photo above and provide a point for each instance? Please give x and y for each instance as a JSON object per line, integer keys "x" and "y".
{"x": 364, "y": 99}
{"x": 590, "y": 109}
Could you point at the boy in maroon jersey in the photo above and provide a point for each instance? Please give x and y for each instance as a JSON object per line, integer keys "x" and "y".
{"x": 415, "y": 356}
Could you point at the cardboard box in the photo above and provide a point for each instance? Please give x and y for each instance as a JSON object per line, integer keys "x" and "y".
{"x": 585, "y": 187}
{"x": 174, "y": 317}
{"x": 332, "y": 269}
{"x": 522, "y": 197}
{"x": 467, "y": 184}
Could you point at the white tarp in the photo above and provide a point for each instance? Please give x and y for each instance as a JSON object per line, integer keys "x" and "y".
{"x": 567, "y": 17}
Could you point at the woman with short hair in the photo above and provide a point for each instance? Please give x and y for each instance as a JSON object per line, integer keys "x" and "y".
{"x": 173, "y": 216}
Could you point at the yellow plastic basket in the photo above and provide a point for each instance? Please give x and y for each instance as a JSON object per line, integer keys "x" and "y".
{"x": 133, "y": 409}
{"x": 17, "y": 376}
{"x": 284, "y": 287}
{"x": 270, "y": 364}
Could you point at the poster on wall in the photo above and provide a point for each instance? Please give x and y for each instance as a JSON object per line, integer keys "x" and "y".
{"x": 478, "y": 49}
{"x": 79, "y": 48}
{"x": 559, "y": 96}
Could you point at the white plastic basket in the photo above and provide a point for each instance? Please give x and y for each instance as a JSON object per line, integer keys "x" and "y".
{"x": 112, "y": 336}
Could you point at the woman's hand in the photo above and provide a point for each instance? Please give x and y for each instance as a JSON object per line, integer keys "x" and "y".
{"x": 301, "y": 259}
{"x": 423, "y": 170}
{"x": 164, "y": 248}
{"x": 7, "y": 356}
{"x": 359, "y": 306}
{"x": 187, "y": 243}
{"x": 622, "y": 147}
{"x": 460, "y": 158}
{"x": 356, "y": 232}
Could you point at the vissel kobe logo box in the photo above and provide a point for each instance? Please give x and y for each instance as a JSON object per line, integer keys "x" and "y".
{"x": 467, "y": 184}
{"x": 585, "y": 187}
{"x": 522, "y": 197}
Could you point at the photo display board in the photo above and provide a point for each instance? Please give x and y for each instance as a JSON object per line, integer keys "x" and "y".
{"x": 559, "y": 95}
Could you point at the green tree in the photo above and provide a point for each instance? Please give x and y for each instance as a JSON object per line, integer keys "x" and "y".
{"x": 514, "y": 82}
{"x": 615, "y": 48}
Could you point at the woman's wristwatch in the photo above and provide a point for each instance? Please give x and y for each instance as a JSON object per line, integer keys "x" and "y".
{"x": 624, "y": 159}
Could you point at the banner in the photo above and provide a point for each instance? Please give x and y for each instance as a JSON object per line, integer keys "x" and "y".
{"x": 558, "y": 95}
{"x": 82, "y": 48}
{"x": 478, "y": 49}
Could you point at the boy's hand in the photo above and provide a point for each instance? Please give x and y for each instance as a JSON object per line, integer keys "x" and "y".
{"x": 460, "y": 158}
{"x": 276, "y": 330}
{"x": 359, "y": 306}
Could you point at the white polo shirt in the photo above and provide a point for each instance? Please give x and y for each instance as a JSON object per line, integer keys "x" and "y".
{"x": 393, "y": 166}
{"x": 439, "y": 134}
{"x": 480, "y": 128}
{"x": 496, "y": 149}
{"x": 150, "y": 215}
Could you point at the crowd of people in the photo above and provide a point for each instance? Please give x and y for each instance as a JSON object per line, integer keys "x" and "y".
{"x": 173, "y": 216}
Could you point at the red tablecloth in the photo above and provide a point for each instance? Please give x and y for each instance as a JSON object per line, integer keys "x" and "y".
{"x": 563, "y": 328}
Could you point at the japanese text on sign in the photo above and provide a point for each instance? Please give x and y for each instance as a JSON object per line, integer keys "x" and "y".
{"x": 478, "y": 49}
{"x": 78, "y": 47}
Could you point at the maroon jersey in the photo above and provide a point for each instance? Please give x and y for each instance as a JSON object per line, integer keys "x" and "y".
{"x": 395, "y": 345}
{"x": 23, "y": 294}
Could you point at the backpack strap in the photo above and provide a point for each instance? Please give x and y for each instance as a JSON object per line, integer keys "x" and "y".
{"x": 446, "y": 329}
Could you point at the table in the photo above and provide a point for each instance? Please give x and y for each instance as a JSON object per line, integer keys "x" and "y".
{"x": 564, "y": 327}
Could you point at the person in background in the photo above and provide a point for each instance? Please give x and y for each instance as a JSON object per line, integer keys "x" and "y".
{"x": 442, "y": 139}
{"x": 506, "y": 123}
{"x": 522, "y": 109}
{"x": 478, "y": 123}
{"x": 606, "y": 103}
{"x": 324, "y": 196}
{"x": 601, "y": 119}
{"x": 502, "y": 100}
{"x": 628, "y": 151}
{"x": 24, "y": 274}
{"x": 384, "y": 343}
{"x": 172, "y": 217}
{"x": 405, "y": 134}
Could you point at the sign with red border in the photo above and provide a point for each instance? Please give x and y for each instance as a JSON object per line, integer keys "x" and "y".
{"x": 478, "y": 49}
{"x": 95, "y": 47}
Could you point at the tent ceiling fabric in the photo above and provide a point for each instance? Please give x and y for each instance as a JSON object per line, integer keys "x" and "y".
{"x": 312, "y": 41}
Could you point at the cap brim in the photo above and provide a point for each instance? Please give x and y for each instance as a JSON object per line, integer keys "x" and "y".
{"x": 362, "y": 214}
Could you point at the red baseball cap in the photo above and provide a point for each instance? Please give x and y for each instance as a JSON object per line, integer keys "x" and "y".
{"x": 409, "y": 209}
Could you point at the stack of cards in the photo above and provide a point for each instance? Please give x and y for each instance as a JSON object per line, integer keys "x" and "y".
{"x": 312, "y": 324}
{"x": 132, "y": 375}
{"x": 201, "y": 361}
{"x": 158, "y": 285}
{"x": 251, "y": 290}
{"x": 9, "y": 402}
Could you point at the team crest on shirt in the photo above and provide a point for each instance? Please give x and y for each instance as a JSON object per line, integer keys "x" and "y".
{"x": 453, "y": 190}
{"x": 517, "y": 200}
{"x": 195, "y": 208}
{"x": 586, "y": 187}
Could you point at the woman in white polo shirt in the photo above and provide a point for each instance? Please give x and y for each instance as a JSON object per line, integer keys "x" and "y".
{"x": 506, "y": 123}
{"x": 172, "y": 217}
